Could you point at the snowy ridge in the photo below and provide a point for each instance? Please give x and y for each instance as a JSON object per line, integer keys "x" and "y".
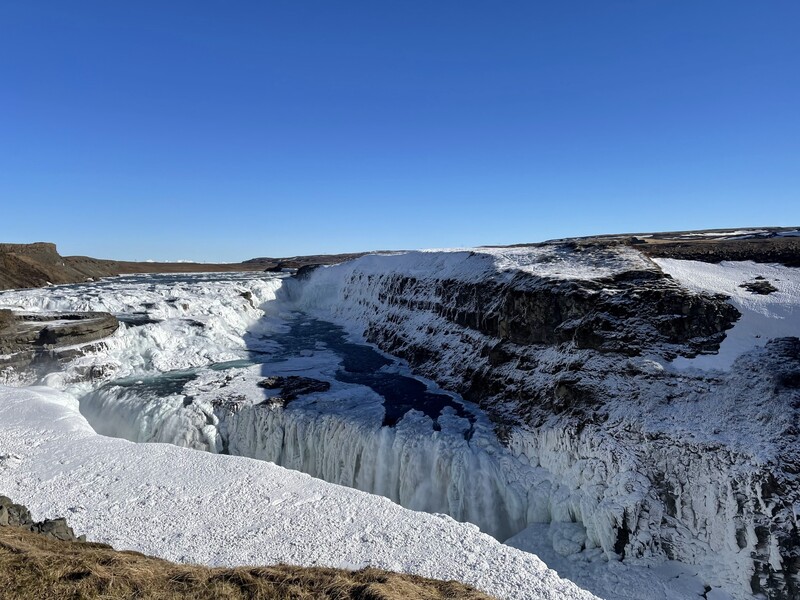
{"x": 477, "y": 264}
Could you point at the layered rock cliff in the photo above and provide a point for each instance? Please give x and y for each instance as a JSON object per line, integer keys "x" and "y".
{"x": 568, "y": 348}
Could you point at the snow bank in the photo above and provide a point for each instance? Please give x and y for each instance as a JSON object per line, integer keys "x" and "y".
{"x": 478, "y": 264}
{"x": 764, "y": 316}
{"x": 209, "y": 509}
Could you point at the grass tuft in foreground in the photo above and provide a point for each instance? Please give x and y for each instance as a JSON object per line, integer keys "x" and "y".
{"x": 33, "y": 566}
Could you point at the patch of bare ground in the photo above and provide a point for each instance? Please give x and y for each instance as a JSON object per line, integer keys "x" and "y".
{"x": 33, "y": 566}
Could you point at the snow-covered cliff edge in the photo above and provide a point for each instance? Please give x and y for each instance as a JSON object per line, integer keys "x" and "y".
{"x": 569, "y": 349}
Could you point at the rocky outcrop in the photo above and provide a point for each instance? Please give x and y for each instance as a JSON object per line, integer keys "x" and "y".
{"x": 35, "y": 343}
{"x": 34, "y": 265}
{"x": 760, "y": 286}
{"x": 630, "y": 313}
{"x": 49, "y": 331}
{"x": 16, "y": 515}
{"x": 291, "y": 387}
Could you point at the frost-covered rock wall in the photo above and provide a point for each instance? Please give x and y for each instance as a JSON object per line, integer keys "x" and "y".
{"x": 573, "y": 367}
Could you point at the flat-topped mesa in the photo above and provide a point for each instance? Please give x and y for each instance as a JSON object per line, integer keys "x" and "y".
{"x": 34, "y": 265}
{"x": 36, "y": 248}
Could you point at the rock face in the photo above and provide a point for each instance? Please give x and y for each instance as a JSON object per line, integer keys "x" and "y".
{"x": 34, "y": 265}
{"x": 631, "y": 313}
{"x": 36, "y": 342}
{"x": 654, "y": 463}
{"x": 16, "y": 515}
{"x": 291, "y": 387}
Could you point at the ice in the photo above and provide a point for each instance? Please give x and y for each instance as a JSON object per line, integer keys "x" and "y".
{"x": 196, "y": 320}
{"x": 669, "y": 580}
{"x": 665, "y": 469}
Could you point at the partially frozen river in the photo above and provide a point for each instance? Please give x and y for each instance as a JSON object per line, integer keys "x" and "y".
{"x": 188, "y": 364}
{"x": 203, "y": 361}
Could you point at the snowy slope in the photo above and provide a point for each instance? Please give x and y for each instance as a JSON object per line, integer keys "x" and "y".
{"x": 764, "y": 316}
{"x": 609, "y": 449}
{"x": 201, "y": 508}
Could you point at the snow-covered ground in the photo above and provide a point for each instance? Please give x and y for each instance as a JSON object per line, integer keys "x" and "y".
{"x": 764, "y": 316}
{"x": 203, "y": 342}
{"x": 196, "y": 507}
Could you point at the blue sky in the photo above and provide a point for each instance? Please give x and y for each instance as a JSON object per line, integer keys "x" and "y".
{"x": 228, "y": 130}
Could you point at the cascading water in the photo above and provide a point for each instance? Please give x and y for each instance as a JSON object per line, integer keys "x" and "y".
{"x": 378, "y": 429}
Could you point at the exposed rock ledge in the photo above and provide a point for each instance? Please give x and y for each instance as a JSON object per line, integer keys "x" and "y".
{"x": 16, "y": 515}
{"x": 37, "y": 341}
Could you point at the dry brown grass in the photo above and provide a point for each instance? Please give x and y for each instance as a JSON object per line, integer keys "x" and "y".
{"x": 35, "y": 567}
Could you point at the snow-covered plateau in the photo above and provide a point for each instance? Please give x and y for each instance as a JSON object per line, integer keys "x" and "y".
{"x": 632, "y": 422}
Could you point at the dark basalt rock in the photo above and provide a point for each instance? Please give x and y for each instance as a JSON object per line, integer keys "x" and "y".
{"x": 759, "y": 286}
{"x": 631, "y": 313}
{"x": 16, "y": 515}
{"x": 306, "y": 270}
{"x": 53, "y": 330}
{"x": 783, "y": 250}
{"x": 292, "y": 386}
{"x": 137, "y": 319}
{"x": 39, "y": 342}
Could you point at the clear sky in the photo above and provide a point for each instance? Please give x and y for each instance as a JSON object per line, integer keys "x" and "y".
{"x": 228, "y": 130}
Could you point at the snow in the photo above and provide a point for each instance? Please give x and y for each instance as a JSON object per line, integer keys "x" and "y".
{"x": 197, "y": 507}
{"x": 474, "y": 264}
{"x": 763, "y": 316}
{"x": 670, "y": 580}
{"x": 570, "y": 491}
{"x": 660, "y": 438}
{"x": 722, "y": 234}
{"x": 204, "y": 318}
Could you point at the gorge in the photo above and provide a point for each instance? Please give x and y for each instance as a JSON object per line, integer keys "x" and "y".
{"x": 617, "y": 408}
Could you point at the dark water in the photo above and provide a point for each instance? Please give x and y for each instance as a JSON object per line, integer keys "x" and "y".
{"x": 165, "y": 384}
{"x": 362, "y": 365}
